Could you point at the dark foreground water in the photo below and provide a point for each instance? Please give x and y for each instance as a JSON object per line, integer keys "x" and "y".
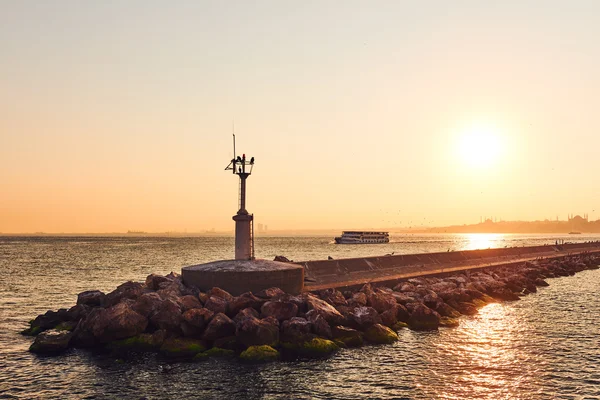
{"x": 545, "y": 346}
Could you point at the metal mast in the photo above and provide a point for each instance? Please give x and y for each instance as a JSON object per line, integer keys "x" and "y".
{"x": 244, "y": 238}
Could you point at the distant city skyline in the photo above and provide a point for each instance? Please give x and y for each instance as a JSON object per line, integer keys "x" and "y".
{"x": 118, "y": 116}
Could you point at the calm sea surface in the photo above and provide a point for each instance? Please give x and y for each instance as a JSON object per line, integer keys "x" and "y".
{"x": 546, "y": 346}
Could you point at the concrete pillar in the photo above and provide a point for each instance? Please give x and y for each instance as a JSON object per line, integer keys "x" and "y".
{"x": 243, "y": 246}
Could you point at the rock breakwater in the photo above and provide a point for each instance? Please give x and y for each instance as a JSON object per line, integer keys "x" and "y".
{"x": 164, "y": 315}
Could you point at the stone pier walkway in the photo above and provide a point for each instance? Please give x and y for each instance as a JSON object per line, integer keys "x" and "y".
{"x": 353, "y": 272}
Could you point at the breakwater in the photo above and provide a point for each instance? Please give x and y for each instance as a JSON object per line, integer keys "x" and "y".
{"x": 166, "y": 316}
{"x": 350, "y": 272}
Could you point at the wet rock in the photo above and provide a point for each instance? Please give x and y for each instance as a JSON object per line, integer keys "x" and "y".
{"x": 259, "y": 354}
{"x": 181, "y": 347}
{"x": 350, "y": 337}
{"x": 329, "y": 313}
{"x": 188, "y": 302}
{"x": 217, "y": 305}
{"x": 317, "y": 347}
{"x": 245, "y": 300}
{"x": 141, "y": 342}
{"x": 380, "y": 334}
{"x": 220, "y": 326}
{"x": 46, "y": 321}
{"x": 423, "y": 318}
{"x": 147, "y": 304}
{"x": 153, "y": 281}
{"x": 83, "y": 335}
{"x": 215, "y": 352}
{"x": 363, "y": 317}
{"x": 448, "y": 322}
{"x": 118, "y": 322}
{"x": 279, "y": 309}
{"x": 168, "y": 316}
{"x": 51, "y": 341}
{"x": 465, "y": 308}
{"x": 446, "y": 311}
{"x": 251, "y": 331}
{"x": 92, "y": 298}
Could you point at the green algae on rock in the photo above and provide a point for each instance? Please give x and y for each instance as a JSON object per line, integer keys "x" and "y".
{"x": 259, "y": 354}
{"x": 380, "y": 334}
{"x": 181, "y": 347}
{"x": 214, "y": 352}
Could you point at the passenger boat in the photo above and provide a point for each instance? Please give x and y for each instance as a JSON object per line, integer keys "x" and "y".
{"x": 362, "y": 237}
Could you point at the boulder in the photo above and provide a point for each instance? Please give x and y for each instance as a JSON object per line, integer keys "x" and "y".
{"x": 244, "y": 300}
{"x": 251, "y": 331}
{"x": 363, "y": 317}
{"x": 220, "y": 326}
{"x": 423, "y": 318}
{"x": 217, "y": 305}
{"x": 127, "y": 290}
{"x": 320, "y": 327}
{"x": 389, "y": 317}
{"x": 296, "y": 330}
{"x": 350, "y": 337}
{"x": 198, "y": 317}
{"x": 331, "y": 315}
{"x": 333, "y": 297}
{"x": 446, "y": 311}
{"x": 118, "y": 322}
{"x": 246, "y": 312}
{"x": 188, "y": 302}
{"x": 153, "y": 281}
{"x": 281, "y": 310}
{"x": 281, "y": 259}
{"x": 358, "y": 299}
{"x": 270, "y": 293}
{"x": 402, "y": 313}
{"x": 147, "y": 304}
{"x": 51, "y": 341}
{"x": 262, "y": 353}
{"x": 168, "y": 316}
{"x": 92, "y": 298}
{"x": 380, "y": 334}
{"x": 220, "y": 293}
{"x": 83, "y": 335}
{"x": 78, "y": 312}
{"x": 402, "y": 298}
{"x": 317, "y": 347}
{"x": 46, "y": 321}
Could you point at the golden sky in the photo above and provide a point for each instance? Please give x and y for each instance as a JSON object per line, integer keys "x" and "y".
{"x": 118, "y": 116}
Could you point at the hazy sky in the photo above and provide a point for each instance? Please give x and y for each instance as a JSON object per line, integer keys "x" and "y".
{"x": 117, "y": 115}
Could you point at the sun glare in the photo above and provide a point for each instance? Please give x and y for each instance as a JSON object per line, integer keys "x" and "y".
{"x": 480, "y": 146}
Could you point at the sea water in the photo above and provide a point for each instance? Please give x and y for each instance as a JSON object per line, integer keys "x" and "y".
{"x": 545, "y": 346}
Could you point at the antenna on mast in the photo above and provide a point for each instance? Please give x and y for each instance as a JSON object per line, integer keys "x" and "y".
{"x": 233, "y": 131}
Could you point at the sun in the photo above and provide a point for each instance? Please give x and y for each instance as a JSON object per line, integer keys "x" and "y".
{"x": 480, "y": 146}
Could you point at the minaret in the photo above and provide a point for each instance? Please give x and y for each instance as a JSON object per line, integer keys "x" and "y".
{"x": 244, "y": 238}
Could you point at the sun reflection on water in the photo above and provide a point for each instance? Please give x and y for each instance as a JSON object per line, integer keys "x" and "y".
{"x": 473, "y": 241}
{"x": 485, "y": 361}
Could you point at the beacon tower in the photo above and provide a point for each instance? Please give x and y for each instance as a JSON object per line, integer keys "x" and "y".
{"x": 244, "y": 221}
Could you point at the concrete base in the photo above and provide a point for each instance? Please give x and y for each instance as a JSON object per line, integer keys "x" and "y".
{"x": 239, "y": 276}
